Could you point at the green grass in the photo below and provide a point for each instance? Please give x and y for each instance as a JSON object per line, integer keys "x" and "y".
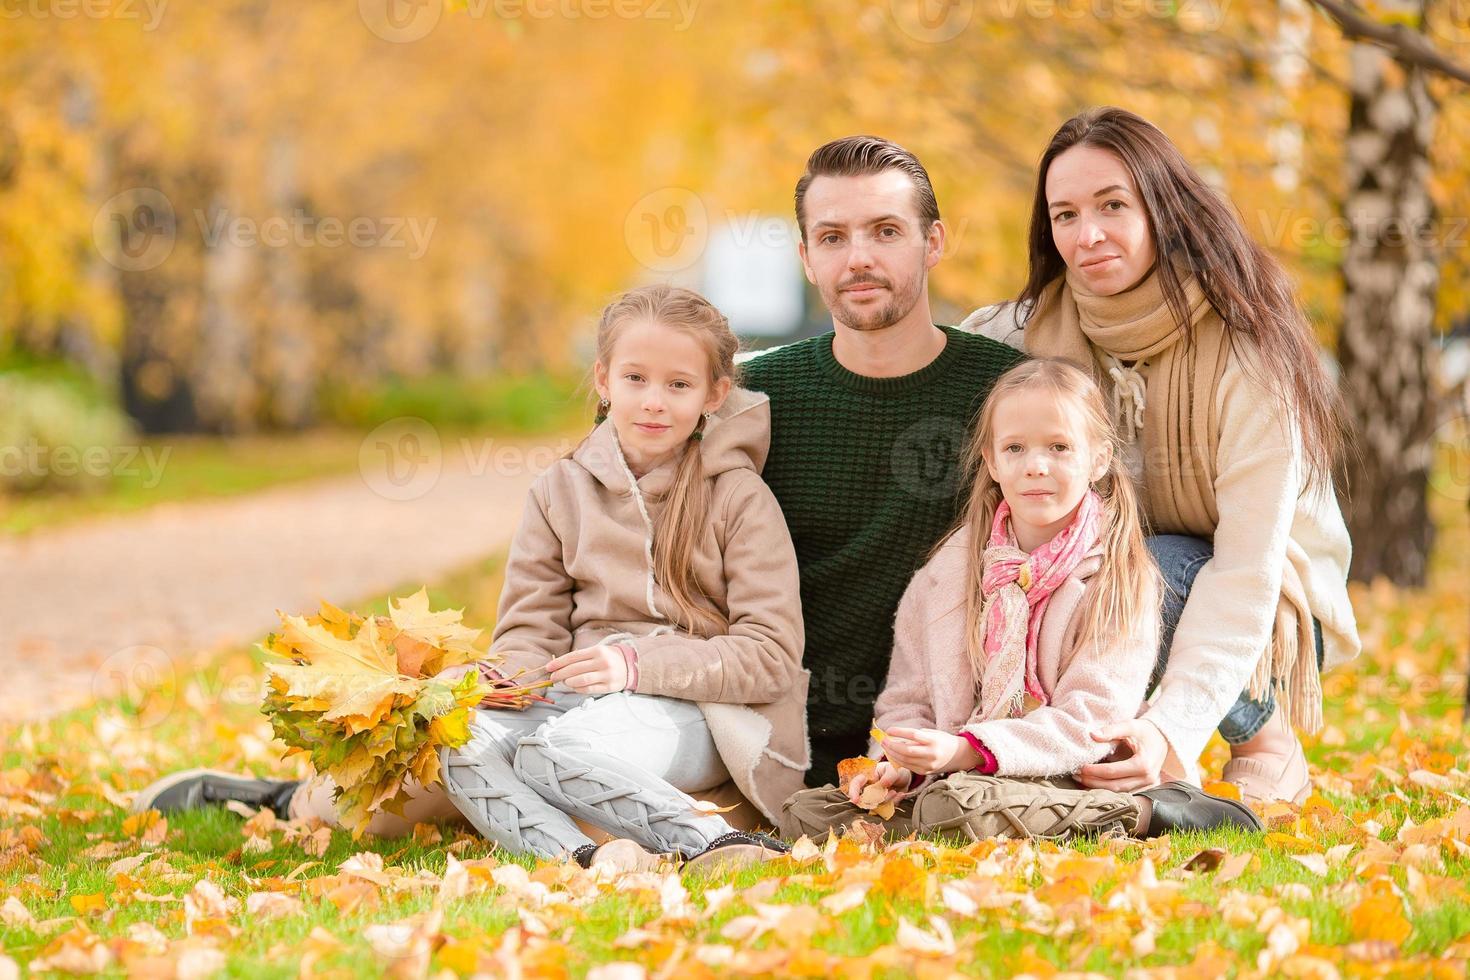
{"x": 154, "y": 470}
{"x": 169, "y": 469}
{"x": 1199, "y": 921}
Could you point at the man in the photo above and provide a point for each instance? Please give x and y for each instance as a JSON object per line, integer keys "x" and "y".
{"x": 869, "y": 423}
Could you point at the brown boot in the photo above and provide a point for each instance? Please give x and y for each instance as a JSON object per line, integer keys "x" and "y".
{"x": 819, "y": 812}
{"x": 1270, "y": 765}
{"x": 977, "y": 807}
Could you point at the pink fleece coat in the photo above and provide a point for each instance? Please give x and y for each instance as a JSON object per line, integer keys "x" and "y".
{"x": 931, "y": 683}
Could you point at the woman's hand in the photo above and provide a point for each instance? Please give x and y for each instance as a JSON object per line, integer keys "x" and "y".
{"x": 1136, "y": 763}
{"x": 927, "y": 750}
{"x": 593, "y": 670}
{"x": 894, "y": 778}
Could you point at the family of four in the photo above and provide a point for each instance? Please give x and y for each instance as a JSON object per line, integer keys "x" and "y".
{"x": 1046, "y": 553}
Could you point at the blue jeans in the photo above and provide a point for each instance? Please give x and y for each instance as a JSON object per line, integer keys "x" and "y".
{"x": 1180, "y": 558}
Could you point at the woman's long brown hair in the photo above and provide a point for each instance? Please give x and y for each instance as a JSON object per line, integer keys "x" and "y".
{"x": 1199, "y": 233}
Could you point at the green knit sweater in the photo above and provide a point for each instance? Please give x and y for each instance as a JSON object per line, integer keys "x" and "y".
{"x": 867, "y": 474}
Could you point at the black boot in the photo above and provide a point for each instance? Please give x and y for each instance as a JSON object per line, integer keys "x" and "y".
{"x": 583, "y": 855}
{"x": 192, "y": 789}
{"x": 1184, "y": 806}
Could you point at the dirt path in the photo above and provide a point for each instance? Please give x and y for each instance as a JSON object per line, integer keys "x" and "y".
{"x": 77, "y": 601}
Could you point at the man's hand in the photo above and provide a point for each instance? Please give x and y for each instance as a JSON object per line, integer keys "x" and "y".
{"x": 894, "y": 778}
{"x": 593, "y": 670}
{"x": 927, "y": 750}
{"x": 1137, "y": 762}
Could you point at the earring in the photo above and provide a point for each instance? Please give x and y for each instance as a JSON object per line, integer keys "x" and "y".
{"x": 698, "y": 435}
{"x": 603, "y": 405}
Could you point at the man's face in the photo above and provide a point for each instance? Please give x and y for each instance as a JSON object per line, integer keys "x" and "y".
{"x": 866, "y": 249}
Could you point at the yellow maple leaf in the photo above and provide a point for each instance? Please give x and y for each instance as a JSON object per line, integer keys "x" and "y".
{"x": 321, "y": 648}
{"x": 442, "y": 629}
{"x": 877, "y": 734}
{"x": 451, "y": 729}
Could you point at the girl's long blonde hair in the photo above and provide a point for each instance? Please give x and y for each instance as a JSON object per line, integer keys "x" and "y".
{"x": 1125, "y": 592}
{"x": 686, "y": 507}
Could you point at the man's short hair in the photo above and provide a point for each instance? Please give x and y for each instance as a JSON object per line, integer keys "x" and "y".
{"x": 858, "y": 156}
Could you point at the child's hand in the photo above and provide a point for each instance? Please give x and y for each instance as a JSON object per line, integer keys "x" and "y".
{"x": 593, "y": 670}
{"x": 927, "y": 750}
{"x": 887, "y": 774}
{"x": 452, "y": 675}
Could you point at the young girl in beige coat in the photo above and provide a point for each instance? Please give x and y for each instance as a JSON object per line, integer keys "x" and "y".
{"x": 652, "y": 578}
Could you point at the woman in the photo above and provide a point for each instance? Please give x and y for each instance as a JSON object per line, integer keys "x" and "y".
{"x": 1144, "y": 275}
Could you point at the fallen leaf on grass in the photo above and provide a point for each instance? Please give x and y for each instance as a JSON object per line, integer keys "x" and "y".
{"x": 1315, "y": 863}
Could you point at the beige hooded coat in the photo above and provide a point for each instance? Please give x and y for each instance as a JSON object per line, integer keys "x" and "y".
{"x": 580, "y": 573}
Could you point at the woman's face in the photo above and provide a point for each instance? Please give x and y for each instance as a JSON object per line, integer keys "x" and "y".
{"x": 1097, "y": 219}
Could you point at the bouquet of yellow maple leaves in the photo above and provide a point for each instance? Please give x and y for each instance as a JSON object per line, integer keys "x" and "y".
{"x": 359, "y": 696}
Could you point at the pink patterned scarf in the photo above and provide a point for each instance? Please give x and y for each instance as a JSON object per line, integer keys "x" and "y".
{"x": 1017, "y": 588}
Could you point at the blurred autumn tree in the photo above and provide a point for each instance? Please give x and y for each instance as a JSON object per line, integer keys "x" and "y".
{"x": 517, "y": 140}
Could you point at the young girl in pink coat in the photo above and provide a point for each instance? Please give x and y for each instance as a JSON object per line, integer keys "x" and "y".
{"x": 1033, "y": 625}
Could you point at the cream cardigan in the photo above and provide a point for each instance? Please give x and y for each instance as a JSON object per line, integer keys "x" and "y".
{"x": 1266, "y": 520}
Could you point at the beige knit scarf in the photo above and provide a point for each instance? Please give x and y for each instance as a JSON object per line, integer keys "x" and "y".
{"x": 1169, "y": 392}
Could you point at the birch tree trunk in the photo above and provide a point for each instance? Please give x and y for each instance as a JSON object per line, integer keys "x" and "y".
{"x": 1390, "y": 281}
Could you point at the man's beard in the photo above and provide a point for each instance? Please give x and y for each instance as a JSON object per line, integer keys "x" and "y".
{"x": 902, "y": 297}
